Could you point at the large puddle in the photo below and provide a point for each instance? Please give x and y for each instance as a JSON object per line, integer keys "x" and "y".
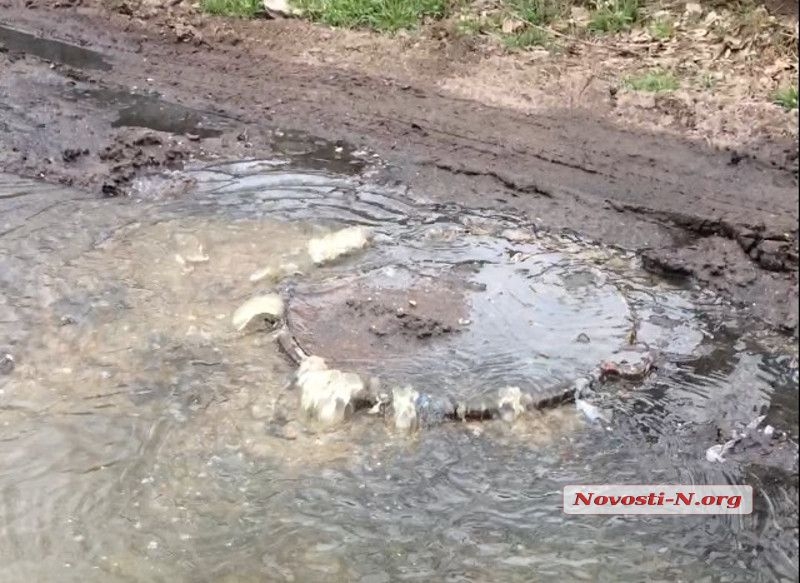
{"x": 139, "y": 436}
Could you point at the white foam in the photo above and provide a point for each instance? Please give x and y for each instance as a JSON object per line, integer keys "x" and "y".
{"x": 327, "y": 248}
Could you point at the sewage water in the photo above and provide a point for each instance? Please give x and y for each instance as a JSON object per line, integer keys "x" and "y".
{"x": 150, "y": 110}
{"x": 138, "y": 435}
{"x": 52, "y": 50}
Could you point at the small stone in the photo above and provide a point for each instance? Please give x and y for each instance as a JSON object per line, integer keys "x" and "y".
{"x": 693, "y": 9}
{"x": 412, "y": 303}
{"x": 279, "y": 8}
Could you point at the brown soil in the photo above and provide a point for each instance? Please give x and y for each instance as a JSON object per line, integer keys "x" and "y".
{"x": 380, "y": 323}
{"x": 785, "y": 7}
{"x": 706, "y": 189}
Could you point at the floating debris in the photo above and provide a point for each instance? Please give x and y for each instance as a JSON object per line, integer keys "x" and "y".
{"x": 716, "y": 453}
{"x": 591, "y": 412}
{"x": 755, "y": 423}
{"x": 332, "y": 246}
{"x": 269, "y": 306}
{"x": 582, "y": 387}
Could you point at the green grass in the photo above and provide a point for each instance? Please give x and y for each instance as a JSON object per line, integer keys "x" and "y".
{"x": 236, "y": 8}
{"x": 786, "y": 97}
{"x": 530, "y": 37}
{"x": 708, "y": 82}
{"x": 385, "y": 15}
{"x": 538, "y": 12}
{"x": 469, "y": 26}
{"x": 614, "y": 16}
{"x": 534, "y": 14}
{"x": 653, "y": 82}
{"x": 662, "y": 29}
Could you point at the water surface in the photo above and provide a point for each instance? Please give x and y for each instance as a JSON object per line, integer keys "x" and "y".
{"x": 138, "y": 433}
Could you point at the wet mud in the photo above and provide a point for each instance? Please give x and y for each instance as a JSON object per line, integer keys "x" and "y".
{"x": 20, "y": 41}
{"x": 730, "y": 225}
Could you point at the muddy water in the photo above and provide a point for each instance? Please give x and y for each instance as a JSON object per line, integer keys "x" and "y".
{"x": 51, "y": 50}
{"x": 142, "y": 439}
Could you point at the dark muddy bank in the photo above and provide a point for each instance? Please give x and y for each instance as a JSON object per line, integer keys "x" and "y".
{"x": 726, "y": 220}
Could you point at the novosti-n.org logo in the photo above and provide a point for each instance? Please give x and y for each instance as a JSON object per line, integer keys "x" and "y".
{"x": 660, "y": 499}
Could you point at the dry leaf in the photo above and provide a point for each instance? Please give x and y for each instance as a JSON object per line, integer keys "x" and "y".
{"x": 711, "y": 18}
{"x": 734, "y": 43}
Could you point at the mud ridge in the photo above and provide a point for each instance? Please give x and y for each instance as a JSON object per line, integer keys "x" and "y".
{"x": 770, "y": 250}
{"x": 507, "y": 182}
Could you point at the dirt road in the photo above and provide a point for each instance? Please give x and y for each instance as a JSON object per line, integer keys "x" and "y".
{"x": 727, "y": 220}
